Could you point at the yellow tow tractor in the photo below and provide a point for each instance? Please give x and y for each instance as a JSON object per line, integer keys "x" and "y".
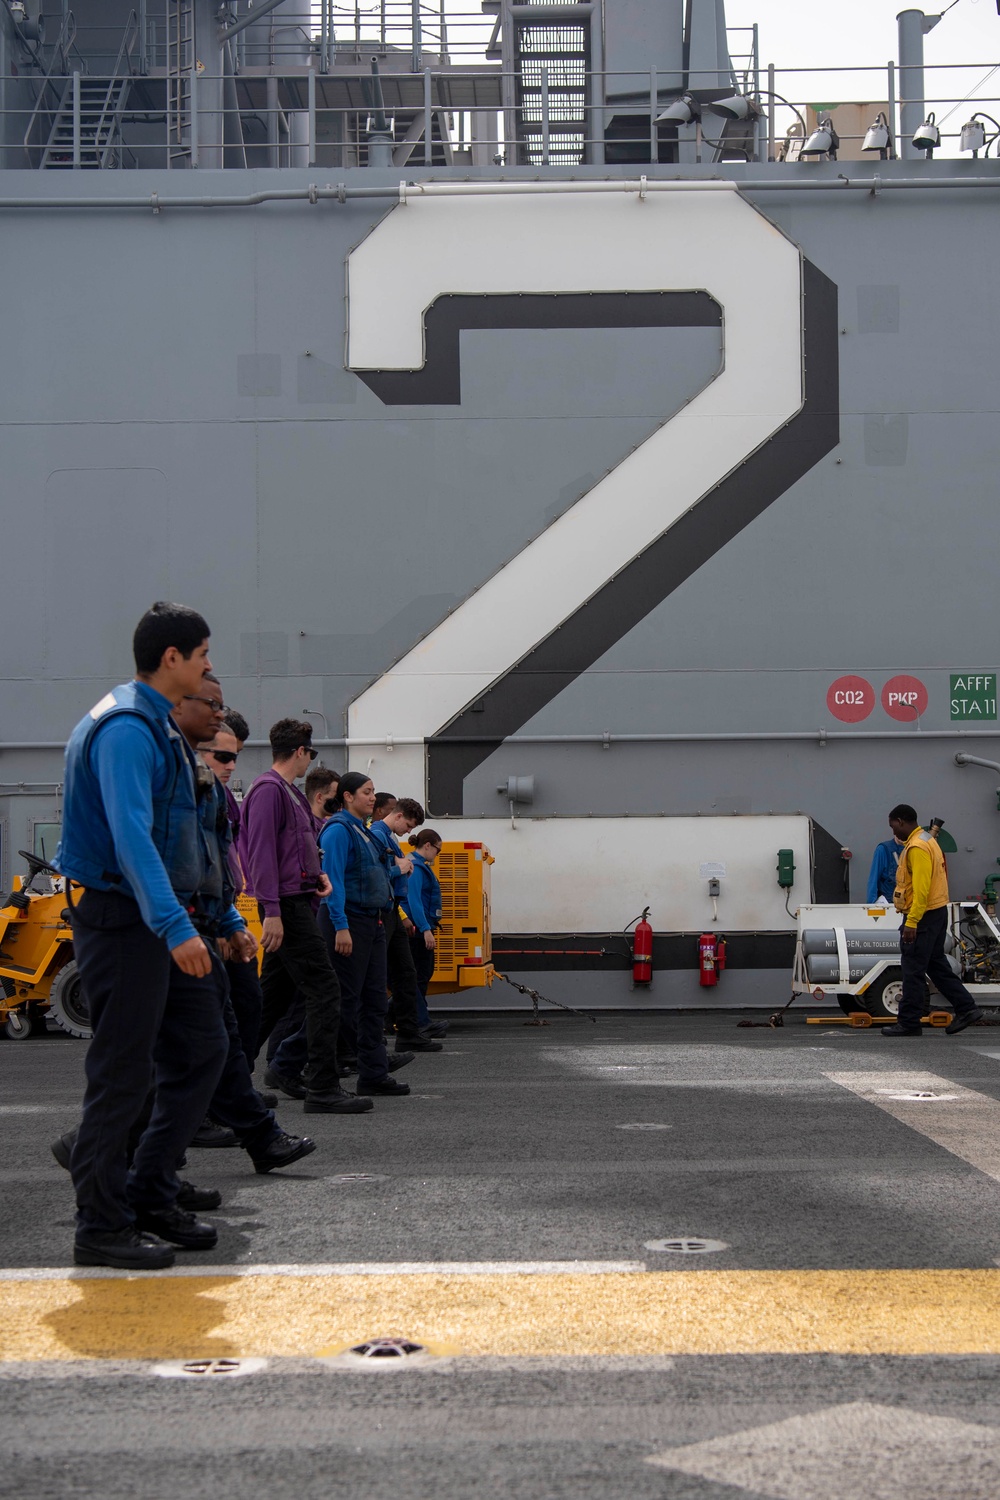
{"x": 39, "y": 979}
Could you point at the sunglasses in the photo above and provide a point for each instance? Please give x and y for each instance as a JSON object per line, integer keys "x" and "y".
{"x": 312, "y": 754}
{"x": 214, "y": 703}
{"x": 224, "y": 757}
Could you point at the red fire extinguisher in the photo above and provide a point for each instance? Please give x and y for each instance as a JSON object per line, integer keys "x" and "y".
{"x": 711, "y": 958}
{"x": 642, "y": 951}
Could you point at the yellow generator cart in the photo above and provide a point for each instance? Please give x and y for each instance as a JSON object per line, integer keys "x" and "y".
{"x": 38, "y": 974}
{"x": 463, "y": 957}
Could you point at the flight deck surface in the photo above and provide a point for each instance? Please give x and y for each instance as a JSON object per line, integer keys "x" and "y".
{"x": 514, "y": 1217}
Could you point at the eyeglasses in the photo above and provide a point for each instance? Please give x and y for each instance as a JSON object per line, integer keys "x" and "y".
{"x": 312, "y": 754}
{"x": 214, "y": 703}
{"x": 224, "y": 757}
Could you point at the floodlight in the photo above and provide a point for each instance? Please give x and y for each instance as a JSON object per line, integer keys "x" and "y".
{"x": 824, "y": 140}
{"x": 877, "y": 137}
{"x": 927, "y": 137}
{"x": 684, "y": 111}
{"x": 973, "y": 136}
{"x": 735, "y": 107}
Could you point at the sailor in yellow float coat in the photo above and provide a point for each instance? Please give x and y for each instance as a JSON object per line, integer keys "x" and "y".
{"x": 921, "y": 895}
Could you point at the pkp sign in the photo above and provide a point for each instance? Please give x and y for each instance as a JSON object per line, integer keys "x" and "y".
{"x": 904, "y": 698}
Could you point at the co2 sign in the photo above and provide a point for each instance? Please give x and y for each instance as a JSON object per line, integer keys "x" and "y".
{"x": 850, "y": 699}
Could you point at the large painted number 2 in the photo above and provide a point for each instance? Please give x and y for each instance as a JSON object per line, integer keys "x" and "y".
{"x": 699, "y": 253}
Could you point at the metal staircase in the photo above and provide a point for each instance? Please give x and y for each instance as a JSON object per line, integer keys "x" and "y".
{"x": 101, "y": 104}
{"x": 180, "y": 70}
{"x": 86, "y": 124}
{"x": 551, "y": 61}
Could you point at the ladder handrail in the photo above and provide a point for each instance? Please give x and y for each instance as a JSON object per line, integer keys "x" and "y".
{"x": 118, "y": 88}
{"x": 60, "y": 55}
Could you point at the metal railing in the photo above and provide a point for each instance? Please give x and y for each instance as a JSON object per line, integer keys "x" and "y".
{"x": 50, "y": 97}
{"x": 454, "y": 116}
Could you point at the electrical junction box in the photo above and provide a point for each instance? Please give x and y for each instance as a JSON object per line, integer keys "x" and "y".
{"x": 463, "y": 957}
{"x": 786, "y": 869}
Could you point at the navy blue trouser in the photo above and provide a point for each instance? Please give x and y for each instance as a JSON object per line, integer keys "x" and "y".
{"x": 153, "y": 1026}
{"x": 301, "y": 966}
{"x": 292, "y": 1021}
{"x": 236, "y": 1102}
{"x": 248, "y": 1003}
{"x": 926, "y": 955}
{"x": 406, "y": 997}
{"x": 364, "y": 998}
{"x": 423, "y": 963}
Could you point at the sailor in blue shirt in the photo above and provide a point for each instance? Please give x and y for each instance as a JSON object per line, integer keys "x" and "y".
{"x": 423, "y": 905}
{"x": 882, "y": 876}
{"x": 351, "y": 921}
{"x": 132, "y": 837}
{"x": 398, "y": 820}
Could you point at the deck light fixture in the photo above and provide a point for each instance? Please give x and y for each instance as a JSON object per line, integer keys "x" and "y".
{"x": 927, "y": 137}
{"x": 683, "y": 111}
{"x": 878, "y": 137}
{"x": 973, "y": 136}
{"x": 824, "y": 140}
{"x": 735, "y": 107}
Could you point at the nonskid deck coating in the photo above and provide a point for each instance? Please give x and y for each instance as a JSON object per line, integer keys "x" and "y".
{"x": 504, "y": 1225}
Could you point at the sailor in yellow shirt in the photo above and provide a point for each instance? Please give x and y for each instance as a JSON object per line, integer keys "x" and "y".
{"x": 921, "y": 895}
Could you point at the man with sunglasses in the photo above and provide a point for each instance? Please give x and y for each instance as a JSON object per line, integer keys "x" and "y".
{"x": 220, "y": 753}
{"x": 282, "y": 864}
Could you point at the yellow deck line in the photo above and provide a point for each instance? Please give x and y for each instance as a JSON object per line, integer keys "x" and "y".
{"x": 672, "y": 1312}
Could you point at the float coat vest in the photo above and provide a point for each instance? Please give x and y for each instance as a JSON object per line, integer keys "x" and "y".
{"x": 86, "y": 850}
{"x": 366, "y": 881}
{"x": 902, "y": 896}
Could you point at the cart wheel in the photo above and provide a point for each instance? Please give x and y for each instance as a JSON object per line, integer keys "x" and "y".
{"x": 67, "y": 1005}
{"x": 882, "y": 1000}
{"x": 19, "y": 1025}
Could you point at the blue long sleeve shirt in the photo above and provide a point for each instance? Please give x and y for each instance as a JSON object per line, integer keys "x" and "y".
{"x": 386, "y": 839}
{"x": 882, "y": 876}
{"x": 337, "y": 848}
{"x": 125, "y": 760}
{"x": 423, "y": 895}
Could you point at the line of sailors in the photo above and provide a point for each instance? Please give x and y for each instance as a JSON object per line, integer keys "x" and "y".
{"x": 167, "y": 963}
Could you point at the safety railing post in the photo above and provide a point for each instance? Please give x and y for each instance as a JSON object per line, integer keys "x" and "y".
{"x": 193, "y": 97}
{"x": 654, "y": 140}
{"x": 428, "y": 119}
{"x": 77, "y": 153}
{"x": 771, "y": 106}
{"x": 312, "y": 117}
{"x": 545, "y": 117}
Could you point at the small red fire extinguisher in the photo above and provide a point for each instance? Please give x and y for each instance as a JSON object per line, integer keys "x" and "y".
{"x": 711, "y": 958}
{"x": 642, "y": 951}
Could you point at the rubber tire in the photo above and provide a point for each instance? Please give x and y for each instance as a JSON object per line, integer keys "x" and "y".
{"x": 67, "y": 1007}
{"x": 21, "y": 1025}
{"x": 879, "y": 1005}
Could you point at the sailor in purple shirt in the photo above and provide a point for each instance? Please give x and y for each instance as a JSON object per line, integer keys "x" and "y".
{"x": 282, "y": 865}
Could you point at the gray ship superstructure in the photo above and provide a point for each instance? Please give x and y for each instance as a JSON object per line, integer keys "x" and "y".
{"x": 591, "y": 442}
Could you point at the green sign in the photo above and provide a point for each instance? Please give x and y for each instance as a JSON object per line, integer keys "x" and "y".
{"x": 973, "y": 696}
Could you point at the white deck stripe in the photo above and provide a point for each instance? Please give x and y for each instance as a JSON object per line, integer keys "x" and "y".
{"x": 348, "y": 1268}
{"x": 965, "y": 1123}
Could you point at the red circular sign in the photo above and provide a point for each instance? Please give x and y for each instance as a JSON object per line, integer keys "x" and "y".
{"x": 904, "y": 698}
{"x": 850, "y": 699}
